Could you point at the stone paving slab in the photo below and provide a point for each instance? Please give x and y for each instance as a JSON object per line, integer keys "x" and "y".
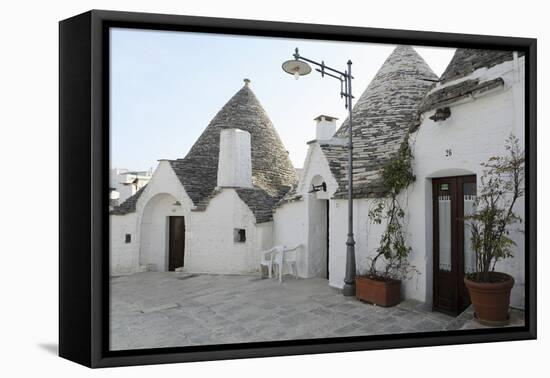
{"x": 166, "y": 309}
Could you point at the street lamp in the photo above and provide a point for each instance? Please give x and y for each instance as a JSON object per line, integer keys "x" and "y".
{"x": 299, "y": 67}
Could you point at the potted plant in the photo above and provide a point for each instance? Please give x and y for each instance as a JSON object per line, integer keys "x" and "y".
{"x": 381, "y": 283}
{"x": 490, "y": 225}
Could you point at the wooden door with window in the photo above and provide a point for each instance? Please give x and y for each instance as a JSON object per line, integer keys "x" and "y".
{"x": 453, "y": 257}
{"x": 176, "y": 245}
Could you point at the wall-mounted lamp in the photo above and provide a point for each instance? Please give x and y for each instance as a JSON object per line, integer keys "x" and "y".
{"x": 318, "y": 188}
{"x": 441, "y": 114}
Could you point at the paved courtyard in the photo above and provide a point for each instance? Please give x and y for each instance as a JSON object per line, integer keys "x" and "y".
{"x": 154, "y": 310}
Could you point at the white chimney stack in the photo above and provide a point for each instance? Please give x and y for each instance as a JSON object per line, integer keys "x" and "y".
{"x": 326, "y": 127}
{"x": 235, "y": 162}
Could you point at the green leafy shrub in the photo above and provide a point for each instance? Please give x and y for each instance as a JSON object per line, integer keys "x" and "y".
{"x": 393, "y": 251}
{"x": 502, "y": 184}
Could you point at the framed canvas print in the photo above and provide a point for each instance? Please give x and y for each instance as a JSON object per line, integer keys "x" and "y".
{"x": 213, "y": 206}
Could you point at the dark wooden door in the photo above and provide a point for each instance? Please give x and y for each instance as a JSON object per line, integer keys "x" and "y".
{"x": 176, "y": 245}
{"x": 452, "y": 254}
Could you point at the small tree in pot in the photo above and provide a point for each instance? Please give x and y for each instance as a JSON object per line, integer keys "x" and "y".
{"x": 381, "y": 283}
{"x": 490, "y": 225}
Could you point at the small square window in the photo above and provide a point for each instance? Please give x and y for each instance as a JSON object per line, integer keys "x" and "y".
{"x": 128, "y": 238}
{"x": 239, "y": 235}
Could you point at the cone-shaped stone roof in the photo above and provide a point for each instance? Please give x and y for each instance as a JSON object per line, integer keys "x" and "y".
{"x": 382, "y": 119}
{"x": 466, "y": 61}
{"x": 272, "y": 170}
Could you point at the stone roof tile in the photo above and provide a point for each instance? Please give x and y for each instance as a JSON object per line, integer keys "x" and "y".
{"x": 382, "y": 119}
{"x": 466, "y": 61}
{"x": 450, "y": 94}
{"x": 259, "y": 202}
{"x": 272, "y": 170}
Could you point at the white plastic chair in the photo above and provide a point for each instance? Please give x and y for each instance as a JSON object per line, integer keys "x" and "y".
{"x": 287, "y": 257}
{"x": 267, "y": 258}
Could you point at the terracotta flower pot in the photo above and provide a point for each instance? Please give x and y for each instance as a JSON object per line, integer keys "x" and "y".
{"x": 382, "y": 293}
{"x": 491, "y": 300}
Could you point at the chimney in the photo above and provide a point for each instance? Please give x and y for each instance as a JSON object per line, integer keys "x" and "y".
{"x": 326, "y": 127}
{"x": 235, "y": 163}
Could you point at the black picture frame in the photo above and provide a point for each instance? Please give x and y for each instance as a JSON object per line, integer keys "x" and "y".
{"x": 83, "y": 179}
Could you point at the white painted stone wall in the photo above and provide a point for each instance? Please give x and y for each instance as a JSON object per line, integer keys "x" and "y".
{"x": 317, "y": 231}
{"x": 235, "y": 162}
{"x": 210, "y": 245}
{"x": 125, "y": 191}
{"x": 290, "y": 228}
{"x": 292, "y": 225}
{"x": 263, "y": 241}
{"x": 209, "y": 238}
{"x": 149, "y": 243}
{"x": 475, "y": 131}
{"x": 303, "y": 222}
{"x": 123, "y": 255}
{"x": 325, "y": 127}
{"x": 367, "y": 237}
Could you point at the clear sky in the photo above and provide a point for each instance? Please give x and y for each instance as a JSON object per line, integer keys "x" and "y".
{"x": 167, "y": 86}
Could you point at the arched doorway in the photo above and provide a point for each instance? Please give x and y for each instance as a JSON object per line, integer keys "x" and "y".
{"x": 162, "y": 234}
{"x": 318, "y": 228}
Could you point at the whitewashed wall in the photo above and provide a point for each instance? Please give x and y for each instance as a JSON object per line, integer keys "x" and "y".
{"x": 149, "y": 247}
{"x": 475, "y": 131}
{"x": 235, "y": 161}
{"x": 317, "y": 232}
{"x": 304, "y": 222}
{"x": 209, "y": 240}
{"x": 263, "y": 241}
{"x": 290, "y": 228}
{"x": 122, "y": 254}
{"x": 210, "y": 245}
{"x": 366, "y": 234}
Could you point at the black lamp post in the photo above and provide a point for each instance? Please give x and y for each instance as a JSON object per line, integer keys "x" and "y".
{"x": 299, "y": 67}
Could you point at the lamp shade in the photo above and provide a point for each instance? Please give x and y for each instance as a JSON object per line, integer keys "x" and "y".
{"x": 296, "y": 67}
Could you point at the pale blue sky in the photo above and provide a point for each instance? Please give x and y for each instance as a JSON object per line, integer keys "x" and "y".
{"x": 167, "y": 86}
